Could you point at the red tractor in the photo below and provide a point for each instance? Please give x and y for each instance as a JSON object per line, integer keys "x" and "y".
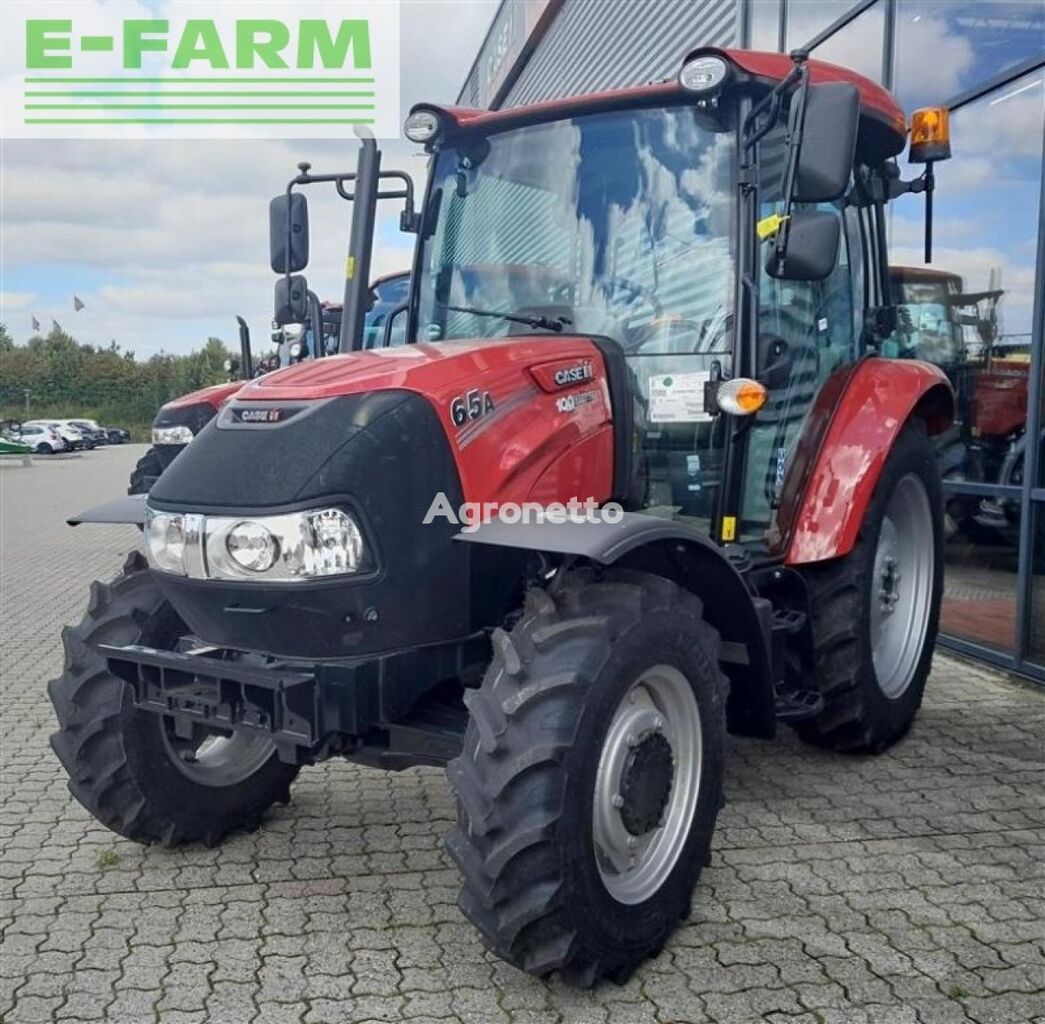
{"x": 643, "y": 328}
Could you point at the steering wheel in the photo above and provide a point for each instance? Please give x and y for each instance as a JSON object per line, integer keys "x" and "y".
{"x": 698, "y": 337}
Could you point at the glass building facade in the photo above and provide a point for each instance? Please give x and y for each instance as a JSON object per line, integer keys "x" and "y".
{"x": 976, "y": 310}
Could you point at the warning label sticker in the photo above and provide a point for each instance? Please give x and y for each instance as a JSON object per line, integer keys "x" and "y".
{"x": 678, "y": 397}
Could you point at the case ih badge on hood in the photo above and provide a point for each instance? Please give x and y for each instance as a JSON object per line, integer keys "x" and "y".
{"x": 576, "y": 680}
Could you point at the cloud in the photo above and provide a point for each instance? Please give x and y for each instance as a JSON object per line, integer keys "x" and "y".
{"x": 166, "y": 241}
{"x": 931, "y": 63}
{"x": 11, "y": 302}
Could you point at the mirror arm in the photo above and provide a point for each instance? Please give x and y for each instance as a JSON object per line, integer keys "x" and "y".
{"x": 315, "y": 315}
{"x": 246, "y": 363}
{"x": 290, "y": 232}
{"x": 794, "y": 149}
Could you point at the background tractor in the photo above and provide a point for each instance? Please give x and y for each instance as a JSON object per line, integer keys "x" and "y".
{"x": 665, "y": 304}
{"x": 181, "y": 419}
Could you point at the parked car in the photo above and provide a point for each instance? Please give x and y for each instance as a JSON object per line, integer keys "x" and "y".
{"x": 9, "y": 446}
{"x": 41, "y": 437}
{"x": 90, "y": 429}
{"x": 117, "y": 435}
{"x": 74, "y": 440}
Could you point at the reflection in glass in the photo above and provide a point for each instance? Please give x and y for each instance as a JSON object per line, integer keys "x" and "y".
{"x": 619, "y": 224}
{"x": 807, "y": 18}
{"x": 944, "y": 47}
{"x": 858, "y": 46}
{"x": 971, "y": 311}
{"x": 764, "y": 25}
{"x": 979, "y": 591}
{"x": 1036, "y": 641}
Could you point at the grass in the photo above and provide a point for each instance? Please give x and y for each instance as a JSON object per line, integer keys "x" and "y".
{"x": 106, "y": 859}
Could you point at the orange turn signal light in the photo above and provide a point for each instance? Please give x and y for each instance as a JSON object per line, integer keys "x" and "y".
{"x": 930, "y": 135}
{"x": 741, "y": 396}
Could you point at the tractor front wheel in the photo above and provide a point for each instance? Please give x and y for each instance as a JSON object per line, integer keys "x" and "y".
{"x": 876, "y": 610}
{"x": 591, "y": 776}
{"x": 146, "y": 472}
{"x": 129, "y": 767}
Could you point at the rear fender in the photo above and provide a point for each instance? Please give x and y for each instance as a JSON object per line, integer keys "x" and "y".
{"x": 666, "y": 548}
{"x": 855, "y": 420}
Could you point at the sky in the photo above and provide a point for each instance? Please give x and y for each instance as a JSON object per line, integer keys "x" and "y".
{"x": 166, "y": 242}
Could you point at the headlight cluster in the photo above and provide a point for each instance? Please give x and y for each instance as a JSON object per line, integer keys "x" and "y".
{"x": 171, "y": 435}
{"x": 282, "y": 549}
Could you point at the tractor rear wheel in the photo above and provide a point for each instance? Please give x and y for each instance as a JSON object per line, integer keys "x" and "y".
{"x": 591, "y": 776}
{"x": 128, "y": 767}
{"x": 146, "y": 472}
{"x": 877, "y": 609}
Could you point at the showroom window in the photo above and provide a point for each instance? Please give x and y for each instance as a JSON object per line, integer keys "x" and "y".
{"x": 946, "y": 47}
{"x": 858, "y": 44}
{"x": 971, "y": 311}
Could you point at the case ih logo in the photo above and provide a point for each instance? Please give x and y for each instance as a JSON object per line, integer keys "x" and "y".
{"x": 573, "y": 374}
{"x": 261, "y": 415}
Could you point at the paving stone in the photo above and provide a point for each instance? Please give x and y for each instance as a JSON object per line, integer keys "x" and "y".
{"x": 903, "y": 889}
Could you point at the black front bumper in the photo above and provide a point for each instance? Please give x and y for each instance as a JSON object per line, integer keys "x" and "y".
{"x": 377, "y": 708}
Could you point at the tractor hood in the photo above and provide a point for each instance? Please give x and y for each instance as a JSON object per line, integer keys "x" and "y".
{"x": 505, "y": 411}
{"x": 433, "y": 370}
{"x": 213, "y": 395}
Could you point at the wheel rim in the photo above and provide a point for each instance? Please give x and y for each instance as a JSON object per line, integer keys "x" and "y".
{"x": 214, "y": 760}
{"x": 647, "y": 785}
{"x": 902, "y": 584}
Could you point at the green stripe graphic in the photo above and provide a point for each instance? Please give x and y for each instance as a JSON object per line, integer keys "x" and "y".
{"x": 199, "y": 106}
{"x": 133, "y": 80}
{"x": 161, "y": 93}
{"x": 198, "y": 120}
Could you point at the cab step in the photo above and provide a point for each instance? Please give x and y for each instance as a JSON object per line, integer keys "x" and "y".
{"x": 788, "y": 621}
{"x": 794, "y": 705}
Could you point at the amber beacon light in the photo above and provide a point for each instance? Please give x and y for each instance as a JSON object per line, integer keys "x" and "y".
{"x": 930, "y": 135}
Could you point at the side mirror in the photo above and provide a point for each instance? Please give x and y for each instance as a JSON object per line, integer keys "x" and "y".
{"x": 291, "y": 300}
{"x": 394, "y": 332}
{"x": 812, "y": 247}
{"x": 288, "y": 233}
{"x": 825, "y": 160}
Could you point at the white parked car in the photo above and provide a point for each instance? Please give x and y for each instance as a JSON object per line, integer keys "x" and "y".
{"x": 72, "y": 437}
{"x": 41, "y": 438}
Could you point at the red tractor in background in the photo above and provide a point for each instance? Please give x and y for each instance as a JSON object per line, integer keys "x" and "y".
{"x": 655, "y": 315}
{"x": 181, "y": 419}
{"x": 959, "y": 331}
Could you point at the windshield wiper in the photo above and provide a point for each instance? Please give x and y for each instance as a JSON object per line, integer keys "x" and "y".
{"x": 544, "y": 322}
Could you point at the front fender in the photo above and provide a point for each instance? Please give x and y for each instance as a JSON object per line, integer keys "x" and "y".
{"x": 855, "y": 420}
{"x": 128, "y": 510}
{"x": 677, "y": 552}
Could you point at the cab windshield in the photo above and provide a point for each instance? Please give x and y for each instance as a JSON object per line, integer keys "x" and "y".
{"x": 617, "y": 224}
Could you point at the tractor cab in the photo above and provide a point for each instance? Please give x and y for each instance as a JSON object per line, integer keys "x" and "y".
{"x": 721, "y": 236}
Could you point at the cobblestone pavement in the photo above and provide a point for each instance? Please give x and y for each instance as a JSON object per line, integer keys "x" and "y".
{"x": 904, "y": 888}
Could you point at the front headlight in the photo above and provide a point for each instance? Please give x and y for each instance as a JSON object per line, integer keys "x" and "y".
{"x": 165, "y": 541}
{"x": 281, "y": 549}
{"x": 172, "y": 435}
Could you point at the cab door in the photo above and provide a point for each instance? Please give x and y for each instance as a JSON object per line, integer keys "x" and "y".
{"x": 807, "y": 330}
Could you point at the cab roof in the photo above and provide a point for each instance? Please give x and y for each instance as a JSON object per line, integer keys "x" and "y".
{"x": 883, "y": 127}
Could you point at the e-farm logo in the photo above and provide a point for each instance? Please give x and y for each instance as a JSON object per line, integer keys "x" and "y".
{"x": 313, "y": 68}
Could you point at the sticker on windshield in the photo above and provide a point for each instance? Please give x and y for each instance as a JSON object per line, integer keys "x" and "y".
{"x": 678, "y": 397}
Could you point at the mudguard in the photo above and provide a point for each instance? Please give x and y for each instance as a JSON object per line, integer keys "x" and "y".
{"x": 855, "y": 420}
{"x": 650, "y": 544}
{"x": 128, "y": 510}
